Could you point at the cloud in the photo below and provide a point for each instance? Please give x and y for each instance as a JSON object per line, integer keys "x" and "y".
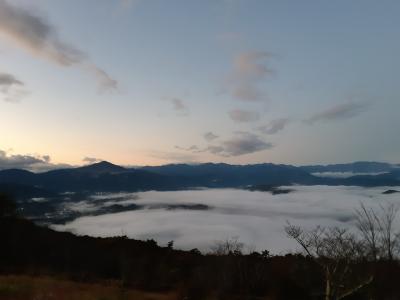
{"x": 8, "y": 80}
{"x": 248, "y": 71}
{"x": 257, "y": 218}
{"x": 244, "y": 143}
{"x": 241, "y": 143}
{"x": 219, "y": 150}
{"x": 193, "y": 148}
{"x": 179, "y": 106}
{"x": 11, "y": 88}
{"x": 91, "y": 160}
{"x": 274, "y": 126}
{"x": 34, "y": 34}
{"x": 105, "y": 82}
{"x": 338, "y": 112}
{"x": 209, "y": 136}
{"x": 35, "y": 163}
{"x": 240, "y": 116}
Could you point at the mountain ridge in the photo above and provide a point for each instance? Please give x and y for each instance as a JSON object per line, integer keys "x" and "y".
{"x": 107, "y": 177}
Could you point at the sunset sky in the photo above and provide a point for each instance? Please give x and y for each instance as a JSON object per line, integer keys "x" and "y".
{"x": 151, "y": 82}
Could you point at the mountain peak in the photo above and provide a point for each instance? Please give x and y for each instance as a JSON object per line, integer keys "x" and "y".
{"x": 102, "y": 167}
{"x": 104, "y": 163}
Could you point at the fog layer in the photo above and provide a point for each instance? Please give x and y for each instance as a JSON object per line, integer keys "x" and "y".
{"x": 256, "y": 218}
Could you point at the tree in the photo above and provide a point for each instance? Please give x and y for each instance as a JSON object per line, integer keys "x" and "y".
{"x": 366, "y": 223}
{"x": 389, "y": 239}
{"x": 377, "y": 230}
{"x": 228, "y": 246}
{"x": 170, "y": 245}
{"x": 336, "y": 251}
{"x": 7, "y": 206}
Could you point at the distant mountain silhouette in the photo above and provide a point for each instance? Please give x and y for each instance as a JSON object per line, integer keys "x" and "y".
{"x": 23, "y": 191}
{"x": 102, "y": 176}
{"x": 225, "y": 175}
{"x": 355, "y": 167}
{"x": 107, "y": 177}
{"x": 101, "y": 168}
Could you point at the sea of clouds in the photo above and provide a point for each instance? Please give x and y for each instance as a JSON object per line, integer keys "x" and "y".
{"x": 256, "y": 218}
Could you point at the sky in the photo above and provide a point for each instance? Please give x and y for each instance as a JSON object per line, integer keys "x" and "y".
{"x": 150, "y": 82}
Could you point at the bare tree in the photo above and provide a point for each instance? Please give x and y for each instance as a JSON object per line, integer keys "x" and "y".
{"x": 377, "y": 230}
{"x": 228, "y": 246}
{"x": 366, "y": 223}
{"x": 389, "y": 239}
{"x": 336, "y": 251}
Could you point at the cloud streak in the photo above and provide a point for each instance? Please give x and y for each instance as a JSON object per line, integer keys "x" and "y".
{"x": 242, "y": 116}
{"x": 240, "y": 144}
{"x": 338, "y": 112}
{"x": 179, "y": 106}
{"x": 36, "y": 35}
{"x": 274, "y": 126}
{"x": 35, "y": 163}
{"x": 248, "y": 72}
{"x": 243, "y": 143}
{"x": 11, "y": 88}
{"x": 8, "y": 80}
{"x": 91, "y": 160}
{"x": 210, "y": 136}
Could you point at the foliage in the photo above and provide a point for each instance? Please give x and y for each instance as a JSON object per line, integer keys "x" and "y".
{"x": 231, "y": 246}
{"x": 7, "y": 206}
{"x": 227, "y": 273}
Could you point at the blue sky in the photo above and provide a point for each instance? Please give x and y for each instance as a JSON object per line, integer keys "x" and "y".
{"x": 156, "y": 81}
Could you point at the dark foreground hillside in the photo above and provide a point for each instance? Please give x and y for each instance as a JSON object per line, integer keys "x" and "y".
{"x": 29, "y": 250}
{"x": 20, "y": 287}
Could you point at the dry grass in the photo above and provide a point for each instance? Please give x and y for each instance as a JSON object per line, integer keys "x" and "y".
{"x": 45, "y": 288}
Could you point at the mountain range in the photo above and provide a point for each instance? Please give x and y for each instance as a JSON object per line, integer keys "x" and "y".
{"x": 107, "y": 177}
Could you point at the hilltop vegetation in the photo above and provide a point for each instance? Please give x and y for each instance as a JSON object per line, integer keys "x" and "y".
{"x": 21, "y": 287}
{"x": 225, "y": 273}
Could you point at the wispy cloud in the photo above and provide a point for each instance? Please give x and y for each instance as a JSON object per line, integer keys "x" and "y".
{"x": 248, "y": 71}
{"x": 179, "y": 106}
{"x": 193, "y": 148}
{"x": 338, "y": 112}
{"x": 91, "y": 160}
{"x": 241, "y": 116}
{"x": 11, "y": 88}
{"x": 104, "y": 80}
{"x": 34, "y": 34}
{"x": 244, "y": 143}
{"x": 29, "y": 162}
{"x": 8, "y": 80}
{"x": 210, "y": 136}
{"x": 274, "y": 126}
{"x": 241, "y": 143}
